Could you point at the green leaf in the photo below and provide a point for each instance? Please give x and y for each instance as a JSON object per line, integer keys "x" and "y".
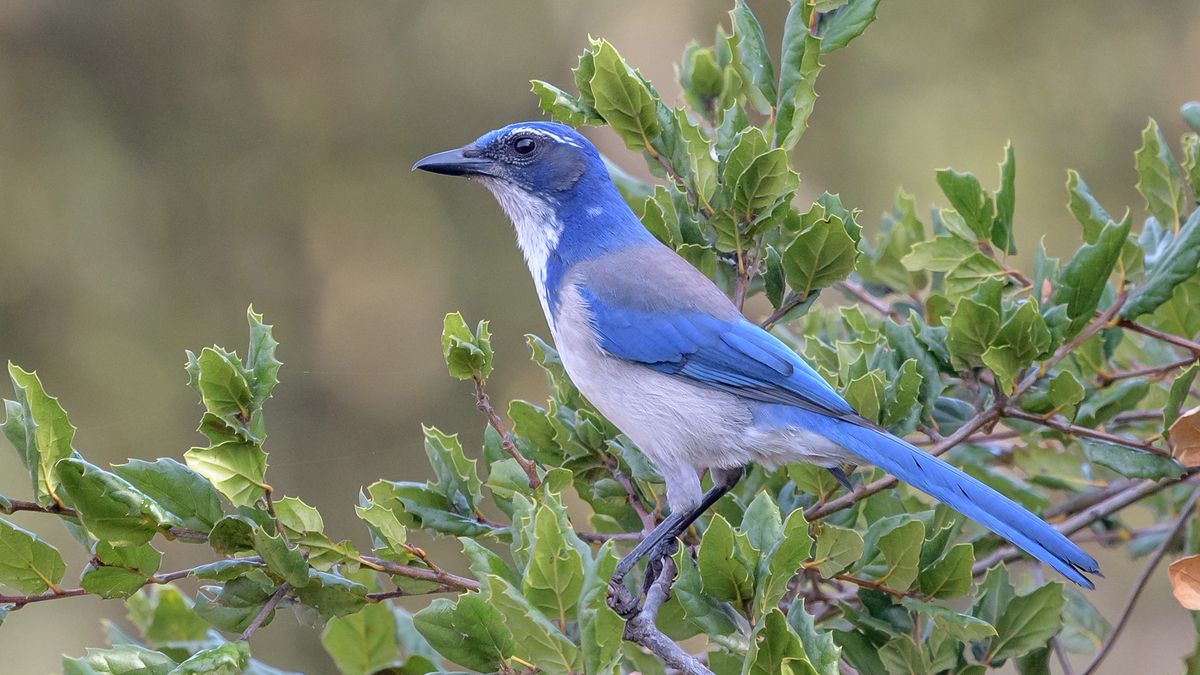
{"x": 109, "y": 506}
{"x": 364, "y": 642}
{"x": 555, "y": 573}
{"x": 777, "y": 649}
{"x": 822, "y": 253}
{"x": 1028, "y": 622}
{"x": 940, "y": 254}
{"x": 752, "y": 50}
{"x": 563, "y": 107}
{"x": 1105, "y": 404}
{"x": 234, "y": 605}
{"x": 1023, "y": 338}
{"x": 236, "y": 468}
{"x": 971, "y": 331}
{"x": 223, "y": 388}
{"x": 388, "y": 534}
{"x": 700, "y": 608}
{"x": 1082, "y": 281}
{"x": 1159, "y": 179}
{"x": 225, "y": 570}
{"x": 760, "y": 184}
{"x": 818, "y": 645}
{"x": 119, "y": 571}
{"x": 697, "y": 156}
{"x": 164, "y": 615}
{"x": 837, "y": 549}
{"x": 622, "y": 97}
{"x": 1129, "y": 462}
{"x": 799, "y": 67}
{"x": 845, "y": 23}
{"x": 297, "y": 517}
{"x": 262, "y": 368}
{"x": 784, "y": 556}
{"x": 865, "y": 394}
{"x": 331, "y": 594}
{"x": 284, "y": 560}
{"x": 1190, "y": 112}
{"x": 183, "y": 493}
{"x": 231, "y": 658}
{"x": 470, "y": 632}
{"x": 535, "y": 638}
{"x": 457, "y": 477}
{"x": 949, "y": 576}
{"x": 1179, "y": 262}
{"x": 968, "y": 197}
{"x": 1002, "y": 233}
{"x": 120, "y": 660}
{"x": 45, "y": 434}
{"x": 762, "y": 523}
{"x": 1180, "y": 388}
{"x": 962, "y": 627}
{"x": 1191, "y": 162}
{"x": 725, "y": 573}
{"x": 901, "y": 549}
{"x": 28, "y": 564}
{"x": 232, "y": 534}
{"x": 1086, "y": 209}
{"x": 467, "y": 354}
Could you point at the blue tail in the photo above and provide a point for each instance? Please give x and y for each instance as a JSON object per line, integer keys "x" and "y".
{"x": 968, "y": 496}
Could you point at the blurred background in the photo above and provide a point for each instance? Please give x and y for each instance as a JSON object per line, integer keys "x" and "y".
{"x": 163, "y": 165}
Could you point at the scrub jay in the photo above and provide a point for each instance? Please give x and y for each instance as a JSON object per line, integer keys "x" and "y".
{"x": 662, "y": 353}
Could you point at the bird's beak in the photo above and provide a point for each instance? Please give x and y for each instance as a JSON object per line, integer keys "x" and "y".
{"x": 465, "y": 161}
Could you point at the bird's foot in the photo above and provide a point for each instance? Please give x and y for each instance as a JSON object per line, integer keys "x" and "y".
{"x": 654, "y": 562}
{"x": 620, "y": 600}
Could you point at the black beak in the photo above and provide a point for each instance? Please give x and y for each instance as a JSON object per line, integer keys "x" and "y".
{"x": 458, "y": 162}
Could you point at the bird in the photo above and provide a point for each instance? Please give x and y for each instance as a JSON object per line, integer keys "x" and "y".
{"x": 662, "y": 352}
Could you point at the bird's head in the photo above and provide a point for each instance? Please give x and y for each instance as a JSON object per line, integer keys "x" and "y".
{"x": 555, "y": 188}
{"x": 544, "y": 159}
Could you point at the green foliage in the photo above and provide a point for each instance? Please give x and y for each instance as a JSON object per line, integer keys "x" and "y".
{"x": 1047, "y": 375}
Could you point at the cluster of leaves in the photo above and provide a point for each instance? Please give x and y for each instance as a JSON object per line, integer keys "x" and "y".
{"x": 1066, "y": 388}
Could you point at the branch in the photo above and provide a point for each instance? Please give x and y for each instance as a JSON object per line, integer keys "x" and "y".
{"x": 484, "y": 404}
{"x": 859, "y": 292}
{"x": 1143, "y": 578}
{"x": 1076, "y": 430}
{"x": 642, "y": 630}
{"x": 648, "y": 520}
{"x": 265, "y": 611}
{"x": 452, "y": 582}
{"x": 1136, "y": 327}
{"x": 19, "y": 601}
{"x": 1152, "y": 371}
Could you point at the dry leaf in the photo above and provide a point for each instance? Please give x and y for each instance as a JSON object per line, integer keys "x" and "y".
{"x": 1185, "y": 581}
{"x": 1185, "y": 438}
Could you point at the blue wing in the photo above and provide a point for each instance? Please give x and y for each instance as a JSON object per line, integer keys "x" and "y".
{"x": 732, "y": 355}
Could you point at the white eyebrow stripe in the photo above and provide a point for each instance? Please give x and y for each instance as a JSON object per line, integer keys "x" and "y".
{"x": 545, "y": 134}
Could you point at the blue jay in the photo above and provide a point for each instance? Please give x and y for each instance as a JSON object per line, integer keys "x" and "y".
{"x": 662, "y": 352}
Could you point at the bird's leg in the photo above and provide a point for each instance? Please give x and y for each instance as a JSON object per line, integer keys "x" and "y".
{"x": 661, "y": 540}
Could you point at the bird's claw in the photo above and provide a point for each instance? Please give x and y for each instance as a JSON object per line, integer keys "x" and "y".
{"x": 620, "y": 600}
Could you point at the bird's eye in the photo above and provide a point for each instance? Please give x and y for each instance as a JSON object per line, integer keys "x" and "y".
{"x": 524, "y": 146}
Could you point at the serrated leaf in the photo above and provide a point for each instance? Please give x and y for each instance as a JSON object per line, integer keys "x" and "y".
{"x": 231, "y": 658}
{"x": 752, "y": 50}
{"x": 970, "y": 200}
{"x": 777, "y": 649}
{"x": 121, "y": 571}
{"x": 940, "y": 254}
{"x": 822, "y": 253}
{"x": 45, "y": 432}
{"x": 1159, "y": 179}
{"x": 789, "y": 550}
{"x": 457, "y": 477}
{"x": 234, "y": 605}
{"x": 622, "y": 98}
{"x": 262, "y": 367}
{"x": 901, "y": 548}
{"x": 1028, "y": 622}
{"x": 1002, "y": 232}
{"x": 285, "y": 561}
{"x": 331, "y": 594}
{"x": 1081, "y": 283}
{"x": 971, "y": 331}
{"x": 799, "y": 67}
{"x": 223, "y": 389}
{"x": 563, "y": 107}
{"x": 555, "y": 573}
{"x": 962, "y": 627}
{"x": 466, "y": 354}
{"x": 1086, "y": 209}
{"x": 28, "y": 564}
{"x": 164, "y": 615}
{"x": 1178, "y": 263}
{"x": 364, "y": 642}
{"x": 840, "y": 26}
{"x": 297, "y": 517}
{"x": 120, "y": 660}
{"x": 236, "y": 468}
{"x": 837, "y": 549}
{"x": 949, "y": 576}
{"x": 725, "y": 573}
{"x": 470, "y": 632}
{"x": 183, "y": 493}
{"x": 535, "y": 638}
{"x": 109, "y": 506}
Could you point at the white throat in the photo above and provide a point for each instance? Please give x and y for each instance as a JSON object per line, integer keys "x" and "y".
{"x": 538, "y": 231}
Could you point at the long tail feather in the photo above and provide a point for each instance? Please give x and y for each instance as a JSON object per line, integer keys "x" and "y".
{"x": 969, "y": 497}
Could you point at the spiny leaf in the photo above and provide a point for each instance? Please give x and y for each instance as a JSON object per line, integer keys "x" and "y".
{"x": 235, "y": 468}
{"x": 28, "y": 564}
{"x": 45, "y": 432}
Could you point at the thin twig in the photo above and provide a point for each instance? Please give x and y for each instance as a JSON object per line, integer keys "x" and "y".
{"x": 68, "y": 512}
{"x": 649, "y": 522}
{"x": 1143, "y": 578}
{"x": 1076, "y": 430}
{"x": 1136, "y": 327}
{"x": 450, "y": 581}
{"x": 484, "y": 404}
{"x": 1151, "y": 371}
{"x": 642, "y": 630}
{"x": 859, "y": 292}
{"x": 266, "y": 611}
